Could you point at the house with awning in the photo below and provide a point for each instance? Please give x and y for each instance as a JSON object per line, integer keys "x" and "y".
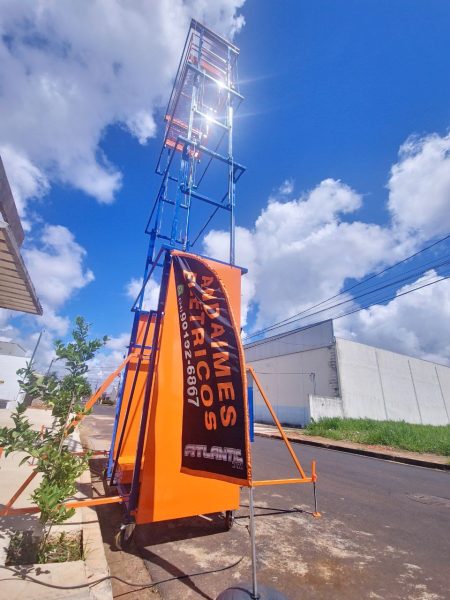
{"x": 17, "y": 292}
{"x": 16, "y": 288}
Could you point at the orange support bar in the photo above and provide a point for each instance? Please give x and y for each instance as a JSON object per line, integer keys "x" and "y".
{"x": 93, "y": 399}
{"x": 8, "y": 507}
{"x": 95, "y": 501}
{"x": 8, "y": 510}
{"x": 29, "y": 510}
{"x": 278, "y": 424}
{"x": 281, "y": 481}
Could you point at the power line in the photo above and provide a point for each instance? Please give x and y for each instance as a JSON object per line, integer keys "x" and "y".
{"x": 368, "y": 293}
{"x": 397, "y": 296}
{"x": 365, "y": 307}
{"x": 293, "y": 318}
{"x": 382, "y": 299}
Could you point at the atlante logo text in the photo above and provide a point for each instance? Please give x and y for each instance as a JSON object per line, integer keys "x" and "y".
{"x": 232, "y": 455}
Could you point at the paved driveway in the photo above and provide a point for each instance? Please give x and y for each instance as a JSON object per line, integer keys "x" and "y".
{"x": 385, "y": 533}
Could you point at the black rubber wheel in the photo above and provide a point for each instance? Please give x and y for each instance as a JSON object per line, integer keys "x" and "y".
{"x": 124, "y": 535}
{"x": 229, "y": 519}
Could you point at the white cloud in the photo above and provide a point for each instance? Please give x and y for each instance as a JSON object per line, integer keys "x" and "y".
{"x": 300, "y": 252}
{"x": 417, "y": 324}
{"x": 56, "y": 267}
{"x": 419, "y": 187}
{"x": 217, "y": 244}
{"x": 118, "y": 343}
{"x": 286, "y": 188}
{"x": 71, "y": 69}
{"x": 5, "y": 315}
{"x": 304, "y": 250}
{"x": 108, "y": 359}
{"x": 151, "y": 293}
{"x": 55, "y": 262}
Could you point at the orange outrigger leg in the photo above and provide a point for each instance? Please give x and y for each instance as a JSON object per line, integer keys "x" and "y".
{"x": 8, "y": 508}
{"x": 303, "y": 478}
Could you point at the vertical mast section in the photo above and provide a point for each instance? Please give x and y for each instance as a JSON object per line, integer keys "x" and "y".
{"x": 196, "y": 161}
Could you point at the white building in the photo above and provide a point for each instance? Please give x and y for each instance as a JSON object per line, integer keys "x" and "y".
{"x": 12, "y": 358}
{"x": 308, "y": 374}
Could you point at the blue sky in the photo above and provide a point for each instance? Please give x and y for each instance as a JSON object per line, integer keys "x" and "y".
{"x": 333, "y": 90}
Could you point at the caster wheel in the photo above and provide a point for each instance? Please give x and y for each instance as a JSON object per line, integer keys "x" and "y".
{"x": 124, "y": 535}
{"x": 229, "y": 519}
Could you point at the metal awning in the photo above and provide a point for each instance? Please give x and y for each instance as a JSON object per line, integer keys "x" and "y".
{"x": 16, "y": 290}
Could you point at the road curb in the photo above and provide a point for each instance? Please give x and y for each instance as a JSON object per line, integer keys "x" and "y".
{"x": 418, "y": 462}
{"x": 95, "y": 561}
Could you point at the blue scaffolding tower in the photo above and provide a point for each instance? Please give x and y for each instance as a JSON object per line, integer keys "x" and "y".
{"x": 196, "y": 154}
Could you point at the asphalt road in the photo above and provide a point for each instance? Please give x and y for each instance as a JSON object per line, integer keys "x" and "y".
{"x": 384, "y": 533}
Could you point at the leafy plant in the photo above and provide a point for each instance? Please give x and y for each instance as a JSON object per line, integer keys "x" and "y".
{"x": 59, "y": 467}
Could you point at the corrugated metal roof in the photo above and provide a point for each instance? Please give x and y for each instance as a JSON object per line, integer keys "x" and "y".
{"x": 8, "y": 210}
{"x": 309, "y": 337}
{"x": 11, "y": 349}
{"x": 16, "y": 290}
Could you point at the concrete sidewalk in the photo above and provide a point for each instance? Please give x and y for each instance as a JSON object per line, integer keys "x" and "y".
{"x": 13, "y": 586}
{"x": 432, "y": 461}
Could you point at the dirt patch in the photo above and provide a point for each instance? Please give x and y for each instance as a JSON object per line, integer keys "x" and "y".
{"x": 26, "y": 548}
{"x": 127, "y": 565}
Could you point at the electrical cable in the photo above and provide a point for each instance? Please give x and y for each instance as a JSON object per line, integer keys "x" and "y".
{"x": 386, "y": 286}
{"x": 124, "y": 581}
{"x": 364, "y": 307}
{"x": 292, "y": 318}
{"x": 287, "y": 320}
{"x": 397, "y": 296}
{"x": 284, "y": 373}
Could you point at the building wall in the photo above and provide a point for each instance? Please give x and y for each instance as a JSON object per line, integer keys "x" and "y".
{"x": 323, "y": 407}
{"x": 9, "y": 388}
{"x": 289, "y": 380}
{"x": 379, "y": 384}
{"x": 308, "y": 374}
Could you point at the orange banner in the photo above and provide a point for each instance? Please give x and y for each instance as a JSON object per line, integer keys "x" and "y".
{"x": 215, "y": 434}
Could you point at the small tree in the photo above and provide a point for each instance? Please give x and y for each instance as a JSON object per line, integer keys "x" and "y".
{"x": 60, "y": 468}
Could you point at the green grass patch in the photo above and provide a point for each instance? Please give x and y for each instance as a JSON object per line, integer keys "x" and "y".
{"x": 395, "y": 434}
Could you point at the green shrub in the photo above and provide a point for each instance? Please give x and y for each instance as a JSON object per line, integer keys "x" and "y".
{"x": 59, "y": 467}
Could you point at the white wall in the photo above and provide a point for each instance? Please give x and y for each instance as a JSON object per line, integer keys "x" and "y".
{"x": 321, "y": 407}
{"x": 289, "y": 380}
{"x": 350, "y": 380}
{"x": 379, "y": 384}
{"x": 9, "y": 389}
{"x": 359, "y": 381}
{"x": 443, "y": 374}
